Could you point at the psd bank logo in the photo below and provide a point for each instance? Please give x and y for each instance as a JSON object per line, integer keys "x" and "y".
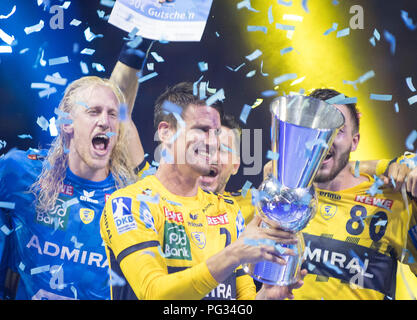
{"x": 122, "y": 214}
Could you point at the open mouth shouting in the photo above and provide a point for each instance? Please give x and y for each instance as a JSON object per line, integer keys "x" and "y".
{"x": 100, "y": 143}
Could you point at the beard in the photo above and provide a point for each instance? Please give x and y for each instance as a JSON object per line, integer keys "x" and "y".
{"x": 339, "y": 166}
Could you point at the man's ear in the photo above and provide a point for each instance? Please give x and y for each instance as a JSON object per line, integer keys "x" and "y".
{"x": 164, "y": 131}
{"x": 68, "y": 128}
{"x": 355, "y": 141}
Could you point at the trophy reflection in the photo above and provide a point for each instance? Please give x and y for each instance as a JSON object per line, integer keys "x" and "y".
{"x": 302, "y": 132}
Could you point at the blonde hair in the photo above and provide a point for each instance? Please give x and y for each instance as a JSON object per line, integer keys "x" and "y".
{"x": 51, "y": 180}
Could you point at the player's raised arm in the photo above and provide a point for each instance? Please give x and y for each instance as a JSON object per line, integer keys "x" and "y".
{"x": 126, "y": 75}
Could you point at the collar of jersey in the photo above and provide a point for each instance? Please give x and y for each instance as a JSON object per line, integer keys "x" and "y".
{"x": 71, "y": 177}
{"x": 176, "y": 198}
{"x": 360, "y": 186}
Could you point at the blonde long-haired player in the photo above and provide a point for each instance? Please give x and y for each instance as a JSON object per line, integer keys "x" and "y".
{"x": 53, "y": 248}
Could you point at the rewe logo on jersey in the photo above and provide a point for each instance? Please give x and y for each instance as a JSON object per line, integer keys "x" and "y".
{"x": 87, "y": 196}
{"x": 220, "y": 219}
{"x": 122, "y": 214}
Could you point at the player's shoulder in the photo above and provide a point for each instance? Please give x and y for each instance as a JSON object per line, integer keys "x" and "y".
{"x": 134, "y": 189}
{"x": 18, "y": 162}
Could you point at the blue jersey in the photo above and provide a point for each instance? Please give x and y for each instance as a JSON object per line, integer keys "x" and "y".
{"x": 60, "y": 254}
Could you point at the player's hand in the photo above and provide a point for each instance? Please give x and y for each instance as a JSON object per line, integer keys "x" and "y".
{"x": 248, "y": 253}
{"x": 411, "y": 182}
{"x": 396, "y": 172}
{"x": 272, "y": 292}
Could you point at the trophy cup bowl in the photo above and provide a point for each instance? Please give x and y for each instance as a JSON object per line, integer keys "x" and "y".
{"x": 302, "y": 132}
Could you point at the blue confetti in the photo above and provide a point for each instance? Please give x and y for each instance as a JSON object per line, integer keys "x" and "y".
{"x": 148, "y": 76}
{"x": 39, "y": 269}
{"x": 88, "y": 51}
{"x": 263, "y": 73}
{"x": 171, "y": 107}
{"x": 246, "y": 188}
{"x": 173, "y": 203}
{"x": 381, "y": 97}
{"x": 43, "y": 123}
{"x": 391, "y": 40}
{"x": 35, "y": 28}
{"x": 254, "y": 55}
{"x": 353, "y": 254}
{"x": 270, "y": 15}
{"x": 272, "y": 155}
{"x": 335, "y": 99}
{"x": 377, "y": 35}
{"x": 24, "y": 136}
{"x": 123, "y": 109}
{"x": 157, "y": 57}
{"x": 372, "y": 41}
{"x": 408, "y": 21}
{"x": 237, "y": 68}
{"x": 219, "y": 95}
{"x": 62, "y": 121}
{"x": 333, "y": 267}
{"x": 7, "y": 205}
{"x": 250, "y": 74}
{"x": 410, "y": 85}
{"x": 305, "y": 7}
{"x": 269, "y": 93}
{"x": 246, "y": 4}
{"x": 166, "y": 155}
{"x": 10, "y": 14}
{"x": 286, "y": 50}
{"x": 245, "y": 113}
{"x": 333, "y": 28}
{"x": 409, "y": 141}
{"x": 285, "y": 77}
{"x": 343, "y": 33}
{"x": 146, "y": 198}
{"x": 368, "y": 75}
{"x": 110, "y": 134}
{"x": 257, "y": 28}
{"x": 59, "y": 60}
{"x": 203, "y": 66}
{"x": 357, "y": 168}
{"x": 412, "y": 100}
{"x": 374, "y": 189}
{"x": 397, "y": 108}
{"x": 285, "y": 3}
{"x": 90, "y": 36}
{"x": 284, "y": 27}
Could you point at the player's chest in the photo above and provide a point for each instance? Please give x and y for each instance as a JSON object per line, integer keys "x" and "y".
{"x": 195, "y": 234}
{"x": 352, "y": 217}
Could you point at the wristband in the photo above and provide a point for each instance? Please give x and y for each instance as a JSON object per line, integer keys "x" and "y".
{"x": 383, "y": 165}
{"x": 135, "y": 58}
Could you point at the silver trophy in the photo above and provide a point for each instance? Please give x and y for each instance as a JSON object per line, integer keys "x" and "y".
{"x": 302, "y": 132}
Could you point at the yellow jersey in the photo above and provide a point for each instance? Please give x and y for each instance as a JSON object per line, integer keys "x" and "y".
{"x": 157, "y": 243}
{"x": 354, "y": 242}
{"x": 245, "y": 203}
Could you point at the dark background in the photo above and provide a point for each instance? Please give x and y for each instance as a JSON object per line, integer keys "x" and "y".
{"x": 20, "y": 105}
